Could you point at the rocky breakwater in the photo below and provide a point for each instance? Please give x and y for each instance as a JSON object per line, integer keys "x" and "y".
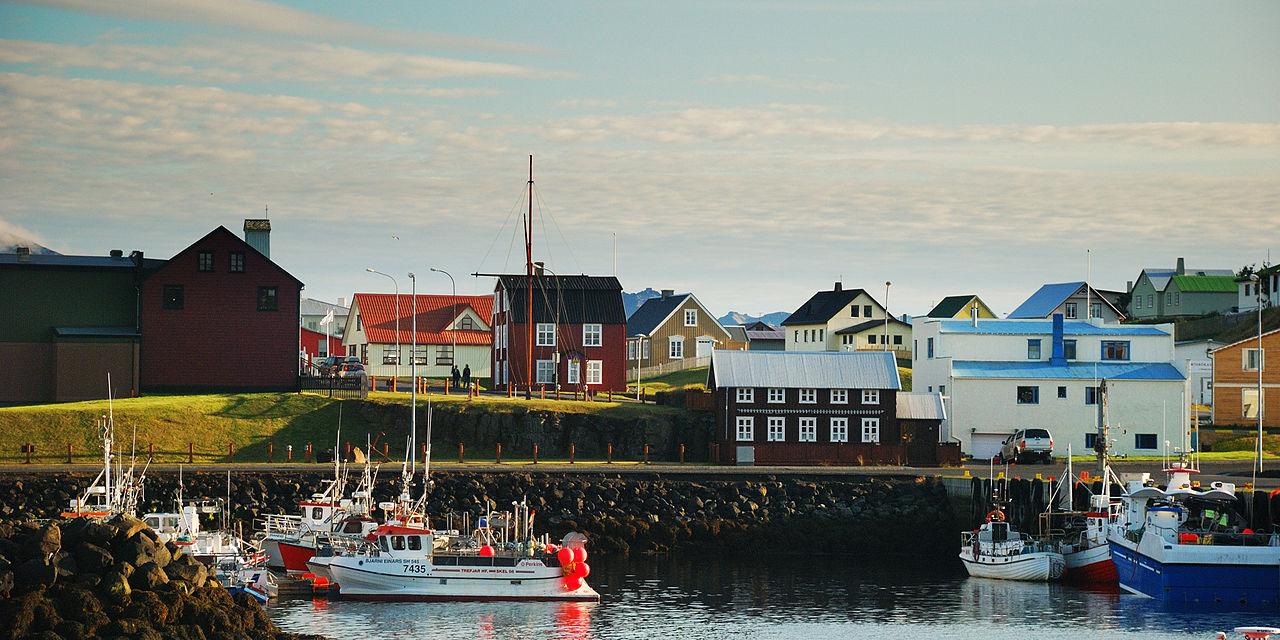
{"x": 84, "y": 579}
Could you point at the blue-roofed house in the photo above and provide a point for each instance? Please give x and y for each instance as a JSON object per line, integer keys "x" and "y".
{"x": 1070, "y": 299}
{"x": 999, "y": 376}
{"x": 674, "y": 332}
{"x": 1164, "y": 292}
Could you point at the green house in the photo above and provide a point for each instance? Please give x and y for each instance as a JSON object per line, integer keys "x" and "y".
{"x": 1181, "y": 292}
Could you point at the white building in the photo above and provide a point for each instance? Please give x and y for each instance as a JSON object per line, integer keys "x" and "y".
{"x": 845, "y": 320}
{"x": 445, "y": 323}
{"x": 1003, "y": 375}
{"x": 1191, "y": 357}
{"x": 1247, "y": 290}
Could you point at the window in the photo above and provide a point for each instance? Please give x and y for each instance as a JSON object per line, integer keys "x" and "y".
{"x": 571, "y": 371}
{"x": 1249, "y": 404}
{"x": 1168, "y": 298}
{"x": 205, "y": 261}
{"x": 1091, "y": 395}
{"x": 797, "y": 335}
{"x": 444, "y": 354}
{"x": 359, "y": 323}
{"x": 746, "y": 394}
{"x": 1028, "y": 395}
{"x": 1069, "y": 349}
{"x": 397, "y": 543}
{"x": 1095, "y": 310}
{"x": 690, "y": 317}
{"x": 871, "y": 339}
{"x": 822, "y": 335}
{"x": 592, "y": 335}
{"x": 871, "y": 429}
{"x": 1033, "y": 349}
{"x": 466, "y": 323}
{"x": 389, "y": 355}
{"x": 870, "y": 396}
{"x": 420, "y": 356}
{"x": 1069, "y": 311}
{"x": 364, "y": 353}
{"x": 1251, "y": 359}
{"x": 267, "y": 299}
{"x": 1062, "y": 392}
{"x": 415, "y": 543}
{"x": 746, "y": 428}
{"x": 675, "y": 347}
{"x": 866, "y": 310}
{"x": 777, "y": 430}
{"x": 631, "y": 349}
{"x": 1144, "y": 441}
{"x": 172, "y": 297}
{"x": 930, "y": 346}
{"x": 1090, "y": 441}
{"x": 897, "y": 339}
{"x": 777, "y": 395}
{"x": 546, "y": 336}
{"x": 1115, "y": 349}
{"x": 545, "y": 372}
{"x": 237, "y": 262}
{"x": 839, "y": 396}
{"x": 1150, "y": 301}
{"x": 854, "y": 311}
{"x": 808, "y": 396}
{"x": 942, "y": 389}
{"x": 808, "y": 430}
{"x": 595, "y": 371}
{"x": 839, "y": 429}
{"x": 1177, "y": 298}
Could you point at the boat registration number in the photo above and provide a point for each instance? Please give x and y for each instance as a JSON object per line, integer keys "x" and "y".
{"x": 416, "y": 568}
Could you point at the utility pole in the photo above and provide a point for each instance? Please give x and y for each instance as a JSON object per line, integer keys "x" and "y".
{"x": 396, "y": 384}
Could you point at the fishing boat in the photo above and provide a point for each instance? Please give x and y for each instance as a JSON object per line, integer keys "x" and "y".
{"x": 1185, "y": 544}
{"x": 1081, "y": 536}
{"x": 117, "y": 488}
{"x": 998, "y": 550}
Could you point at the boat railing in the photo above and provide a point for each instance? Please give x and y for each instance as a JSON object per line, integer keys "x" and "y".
{"x": 1227, "y": 538}
{"x": 279, "y": 524}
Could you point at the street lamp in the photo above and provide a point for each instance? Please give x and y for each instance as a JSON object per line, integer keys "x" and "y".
{"x": 453, "y": 357}
{"x": 1257, "y": 290}
{"x": 396, "y": 384}
{"x": 413, "y": 361}
{"x": 884, "y": 342}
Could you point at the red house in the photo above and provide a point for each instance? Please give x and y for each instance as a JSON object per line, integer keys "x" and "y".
{"x": 221, "y": 315}
{"x": 312, "y": 345}
{"x": 579, "y": 333}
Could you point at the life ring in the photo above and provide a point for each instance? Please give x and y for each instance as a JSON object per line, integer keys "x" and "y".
{"x": 995, "y": 515}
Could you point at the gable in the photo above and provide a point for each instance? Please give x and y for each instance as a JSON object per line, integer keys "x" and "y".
{"x": 185, "y": 260}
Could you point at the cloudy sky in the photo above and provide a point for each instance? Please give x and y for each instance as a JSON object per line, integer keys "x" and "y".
{"x": 750, "y": 151}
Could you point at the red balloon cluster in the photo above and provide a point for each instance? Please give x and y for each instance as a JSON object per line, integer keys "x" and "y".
{"x": 486, "y": 551}
{"x": 574, "y": 564}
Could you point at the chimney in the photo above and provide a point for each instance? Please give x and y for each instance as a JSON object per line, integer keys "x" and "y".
{"x": 1059, "y": 357}
{"x": 342, "y": 302}
{"x": 973, "y": 313}
{"x": 257, "y": 232}
{"x": 1182, "y": 267}
{"x": 116, "y": 253}
{"x": 667, "y": 293}
{"x": 539, "y": 268}
{"x": 839, "y": 286}
{"x": 24, "y": 254}
{"x": 136, "y": 257}
{"x": 1128, "y": 286}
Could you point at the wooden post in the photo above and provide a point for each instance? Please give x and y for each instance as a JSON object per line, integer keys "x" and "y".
{"x": 307, "y": 454}
{"x": 230, "y": 451}
{"x": 191, "y": 453}
{"x": 424, "y": 452}
{"x": 646, "y": 453}
{"x": 270, "y": 450}
{"x": 610, "y": 395}
{"x": 446, "y": 386}
{"x": 348, "y": 451}
{"x": 542, "y": 392}
{"x": 29, "y": 448}
{"x": 461, "y": 450}
{"x": 497, "y": 457}
{"x": 151, "y": 450}
{"x": 68, "y": 453}
{"x": 535, "y": 453}
{"x": 609, "y": 453}
{"x": 573, "y": 449}
{"x": 510, "y": 390}
{"x": 386, "y": 450}
{"x": 681, "y": 453}
{"x": 558, "y": 393}
{"x": 288, "y": 453}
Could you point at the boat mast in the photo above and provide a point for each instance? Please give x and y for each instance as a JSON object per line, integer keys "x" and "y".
{"x": 1104, "y": 430}
{"x": 528, "y": 293}
{"x": 108, "y": 435}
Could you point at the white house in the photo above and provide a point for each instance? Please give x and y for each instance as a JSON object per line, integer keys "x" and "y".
{"x": 1247, "y": 290}
{"x": 1191, "y": 357}
{"x": 845, "y": 320}
{"x": 445, "y": 323}
{"x": 1003, "y": 375}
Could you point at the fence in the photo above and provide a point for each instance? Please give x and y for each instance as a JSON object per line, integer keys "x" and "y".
{"x": 334, "y": 387}
{"x": 669, "y": 367}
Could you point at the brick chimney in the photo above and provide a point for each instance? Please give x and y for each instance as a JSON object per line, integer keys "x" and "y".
{"x": 1182, "y": 267}
{"x": 667, "y": 293}
{"x": 839, "y": 286}
{"x": 257, "y": 232}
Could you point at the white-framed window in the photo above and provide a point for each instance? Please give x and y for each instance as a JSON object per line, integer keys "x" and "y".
{"x": 808, "y": 429}
{"x": 571, "y": 371}
{"x": 1069, "y": 311}
{"x": 592, "y": 335}
{"x": 675, "y": 348}
{"x": 1095, "y": 310}
{"x": 690, "y": 317}
{"x": 746, "y": 429}
{"x": 595, "y": 371}
{"x": 870, "y": 396}
{"x": 631, "y": 349}
{"x": 1252, "y": 358}
{"x": 871, "y": 429}
{"x": 746, "y": 394}
{"x": 390, "y": 356}
{"x": 808, "y": 396}
{"x": 777, "y": 395}
{"x": 545, "y": 372}
{"x": 839, "y": 429}
{"x": 1249, "y": 405}
{"x": 839, "y": 396}
{"x": 546, "y": 334}
{"x": 777, "y": 429}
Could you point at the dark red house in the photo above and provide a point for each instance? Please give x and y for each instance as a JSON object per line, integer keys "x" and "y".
{"x": 221, "y": 315}
{"x": 579, "y": 333}
{"x": 312, "y": 345}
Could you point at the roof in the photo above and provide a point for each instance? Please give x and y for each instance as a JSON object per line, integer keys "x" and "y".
{"x": 1042, "y": 303}
{"x": 737, "y": 333}
{"x": 89, "y": 262}
{"x": 921, "y": 406}
{"x": 1045, "y": 327}
{"x": 822, "y": 306}
{"x": 435, "y": 313}
{"x": 566, "y": 299}
{"x": 313, "y": 307}
{"x": 805, "y": 369}
{"x": 96, "y": 332}
{"x": 766, "y": 334}
{"x": 950, "y": 306}
{"x": 652, "y": 313}
{"x": 238, "y": 240}
{"x": 1160, "y": 276}
{"x": 870, "y": 324}
{"x": 1253, "y": 339}
{"x": 1205, "y": 284}
{"x": 1070, "y": 371}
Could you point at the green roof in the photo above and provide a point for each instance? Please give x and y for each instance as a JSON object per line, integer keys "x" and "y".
{"x": 950, "y": 306}
{"x": 1205, "y": 284}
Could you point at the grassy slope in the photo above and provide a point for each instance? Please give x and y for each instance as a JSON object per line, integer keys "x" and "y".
{"x": 697, "y": 379}
{"x": 248, "y": 420}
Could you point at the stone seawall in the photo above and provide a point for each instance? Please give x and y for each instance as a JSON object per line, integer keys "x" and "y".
{"x": 860, "y": 516}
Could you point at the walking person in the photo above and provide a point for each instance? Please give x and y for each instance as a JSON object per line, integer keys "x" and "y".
{"x": 466, "y": 376}
{"x": 457, "y": 377}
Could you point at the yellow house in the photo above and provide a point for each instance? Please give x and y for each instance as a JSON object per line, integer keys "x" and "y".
{"x": 961, "y": 307}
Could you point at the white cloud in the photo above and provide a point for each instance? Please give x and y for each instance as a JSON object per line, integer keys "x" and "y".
{"x": 13, "y": 235}
{"x": 776, "y": 83}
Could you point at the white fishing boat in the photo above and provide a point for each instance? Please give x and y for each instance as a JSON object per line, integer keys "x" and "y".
{"x": 116, "y": 489}
{"x": 997, "y": 550}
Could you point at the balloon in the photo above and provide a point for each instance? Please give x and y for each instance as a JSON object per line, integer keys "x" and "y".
{"x": 486, "y": 551}
{"x": 565, "y": 556}
{"x": 579, "y": 554}
{"x": 584, "y": 570}
{"x": 572, "y": 583}
{"x": 551, "y": 548}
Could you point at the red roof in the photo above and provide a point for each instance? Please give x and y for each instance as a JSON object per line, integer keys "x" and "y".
{"x": 435, "y": 314}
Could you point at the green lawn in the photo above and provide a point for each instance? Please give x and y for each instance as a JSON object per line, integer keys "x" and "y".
{"x": 695, "y": 378}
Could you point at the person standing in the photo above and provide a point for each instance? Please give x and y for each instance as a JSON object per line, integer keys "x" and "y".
{"x": 457, "y": 377}
{"x": 466, "y": 376}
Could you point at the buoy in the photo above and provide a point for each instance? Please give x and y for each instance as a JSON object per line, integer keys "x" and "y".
{"x": 579, "y": 554}
{"x": 564, "y": 555}
{"x": 584, "y": 570}
{"x": 572, "y": 583}
{"x": 486, "y": 551}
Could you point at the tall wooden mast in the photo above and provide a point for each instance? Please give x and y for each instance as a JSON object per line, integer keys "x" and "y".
{"x": 530, "y": 326}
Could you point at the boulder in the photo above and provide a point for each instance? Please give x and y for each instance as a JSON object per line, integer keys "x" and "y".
{"x": 147, "y": 577}
{"x": 49, "y": 540}
{"x": 127, "y": 526}
{"x": 137, "y": 551}
{"x": 34, "y": 573}
{"x": 93, "y": 558}
{"x": 115, "y": 584}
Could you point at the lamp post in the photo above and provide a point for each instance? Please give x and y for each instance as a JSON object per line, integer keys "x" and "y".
{"x": 1257, "y": 290}
{"x": 884, "y": 341}
{"x": 413, "y": 361}
{"x": 396, "y": 384}
{"x": 453, "y": 304}
{"x": 639, "y": 352}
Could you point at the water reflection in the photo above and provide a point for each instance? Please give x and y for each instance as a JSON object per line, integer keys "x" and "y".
{"x": 684, "y": 597}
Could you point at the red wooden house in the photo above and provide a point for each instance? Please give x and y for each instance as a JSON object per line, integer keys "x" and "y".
{"x": 312, "y": 345}
{"x": 221, "y": 315}
{"x": 579, "y": 336}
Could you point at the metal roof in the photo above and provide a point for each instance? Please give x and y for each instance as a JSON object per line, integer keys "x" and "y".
{"x": 736, "y": 333}
{"x": 652, "y": 312}
{"x": 1160, "y": 276}
{"x": 567, "y": 299}
{"x": 96, "y": 332}
{"x": 805, "y": 370}
{"x": 771, "y": 334}
{"x": 1042, "y": 303}
{"x": 92, "y": 262}
{"x": 823, "y": 306}
{"x": 435, "y": 313}
{"x": 313, "y": 307}
{"x": 1205, "y": 284}
{"x": 1071, "y": 371}
{"x": 1045, "y": 327}
{"x": 870, "y": 324}
{"x": 950, "y": 306}
{"x": 921, "y": 406}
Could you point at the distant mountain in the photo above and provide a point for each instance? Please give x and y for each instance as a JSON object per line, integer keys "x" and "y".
{"x": 632, "y": 301}
{"x": 734, "y": 318}
{"x": 9, "y": 246}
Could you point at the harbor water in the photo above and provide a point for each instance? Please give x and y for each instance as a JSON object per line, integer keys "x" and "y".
{"x": 778, "y": 596}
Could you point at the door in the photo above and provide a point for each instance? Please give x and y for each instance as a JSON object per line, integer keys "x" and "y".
{"x": 705, "y": 345}
{"x": 983, "y": 446}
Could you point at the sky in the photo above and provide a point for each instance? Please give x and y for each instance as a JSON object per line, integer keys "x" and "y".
{"x": 752, "y": 152}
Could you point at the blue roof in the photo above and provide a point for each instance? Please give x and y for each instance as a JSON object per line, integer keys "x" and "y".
{"x": 1043, "y": 302}
{"x": 1045, "y": 327}
{"x": 1072, "y": 370}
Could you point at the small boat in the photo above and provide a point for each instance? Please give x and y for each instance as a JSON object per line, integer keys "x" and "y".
{"x": 116, "y": 489}
{"x": 1081, "y": 536}
{"x": 997, "y": 550}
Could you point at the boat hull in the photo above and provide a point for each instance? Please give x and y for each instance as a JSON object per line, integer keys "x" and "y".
{"x": 294, "y": 555}
{"x": 1036, "y": 567}
{"x": 320, "y": 567}
{"x": 271, "y": 547}
{"x": 418, "y": 580}
{"x": 1091, "y": 566}
{"x": 1217, "y": 583}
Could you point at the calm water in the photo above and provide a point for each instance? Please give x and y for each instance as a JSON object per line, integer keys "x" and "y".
{"x": 791, "y": 598}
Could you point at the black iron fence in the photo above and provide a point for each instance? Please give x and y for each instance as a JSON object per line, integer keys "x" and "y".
{"x": 335, "y": 386}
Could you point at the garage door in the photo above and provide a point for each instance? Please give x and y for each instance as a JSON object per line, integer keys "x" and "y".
{"x": 983, "y": 446}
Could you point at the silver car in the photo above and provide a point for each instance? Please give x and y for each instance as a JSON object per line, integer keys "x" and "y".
{"x": 1028, "y": 445}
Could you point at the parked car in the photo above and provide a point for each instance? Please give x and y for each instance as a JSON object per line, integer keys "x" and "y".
{"x": 1026, "y": 445}
{"x": 328, "y": 365}
{"x": 351, "y": 370}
